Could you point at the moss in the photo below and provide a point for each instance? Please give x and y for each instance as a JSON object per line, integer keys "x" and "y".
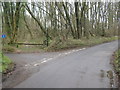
{"x": 117, "y": 61}
{"x": 5, "y": 63}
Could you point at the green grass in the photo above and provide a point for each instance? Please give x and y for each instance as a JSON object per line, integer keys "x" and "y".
{"x": 117, "y": 61}
{"x": 72, "y": 43}
{"x": 9, "y": 48}
{"x": 5, "y": 63}
{"x": 56, "y": 44}
{"x": 31, "y": 48}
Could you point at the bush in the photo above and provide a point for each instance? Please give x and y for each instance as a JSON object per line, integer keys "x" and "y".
{"x": 117, "y": 62}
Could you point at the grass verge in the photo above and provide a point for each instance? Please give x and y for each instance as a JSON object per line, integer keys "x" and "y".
{"x": 72, "y": 43}
{"x": 9, "y": 48}
{"x": 117, "y": 62}
{"x": 57, "y": 44}
{"x": 6, "y": 64}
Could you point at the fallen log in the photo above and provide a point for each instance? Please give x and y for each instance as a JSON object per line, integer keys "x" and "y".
{"x": 26, "y": 44}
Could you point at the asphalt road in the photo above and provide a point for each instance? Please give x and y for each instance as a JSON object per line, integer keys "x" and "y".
{"x": 82, "y": 68}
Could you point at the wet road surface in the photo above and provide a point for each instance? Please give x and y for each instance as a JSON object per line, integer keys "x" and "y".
{"x": 82, "y": 68}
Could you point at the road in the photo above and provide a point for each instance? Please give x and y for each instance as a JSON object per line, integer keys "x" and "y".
{"x": 79, "y": 68}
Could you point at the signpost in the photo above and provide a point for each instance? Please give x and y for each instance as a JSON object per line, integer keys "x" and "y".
{"x": 3, "y": 36}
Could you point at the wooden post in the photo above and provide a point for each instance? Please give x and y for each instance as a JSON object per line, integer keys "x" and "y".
{"x": 47, "y": 38}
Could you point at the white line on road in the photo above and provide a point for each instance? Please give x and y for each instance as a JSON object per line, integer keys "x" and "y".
{"x": 83, "y": 48}
{"x": 44, "y": 60}
{"x": 35, "y": 64}
{"x": 79, "y": 49}
{"x": 49, "y": 59}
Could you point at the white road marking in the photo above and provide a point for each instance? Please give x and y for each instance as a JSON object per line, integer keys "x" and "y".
{"x": 26, "y": 65}
{"x": 49, "y": 59}
{"x": 66, "y": 53}
{"x": 59, "y": 54}
{"x": 83, "y": 48}
{"x": 79, "y": 49}
{"x": 44, "y": 61}
{"x": 35, "y": 64}
{"x": 69, "y": 52}
{"x": 73, "y": 50}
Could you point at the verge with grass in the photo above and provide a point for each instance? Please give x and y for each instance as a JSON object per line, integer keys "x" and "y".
{"x": 58, "y": 44}
{"x": 72, "y": 43}
{"x": 9, "y": 48}
{"x": 6, "y": 65}
{"x": 116, "y": 64}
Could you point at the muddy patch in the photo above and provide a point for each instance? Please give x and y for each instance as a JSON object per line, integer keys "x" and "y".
{"x": 17, "y": 76}
{"x": 8, "y": 72}
{"x": 110, "y": 75}
{"x": 102, "y": 74}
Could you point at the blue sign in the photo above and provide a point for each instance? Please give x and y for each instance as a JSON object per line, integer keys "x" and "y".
{"x": 3, "y": 36}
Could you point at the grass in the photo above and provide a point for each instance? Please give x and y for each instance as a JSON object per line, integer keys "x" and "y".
{"x": 57, "y": 44}
{"x": 72, "y": 43}
{"x": 117, "y": 62}
{"x": 28, "y": 49}
{"x": 8, "y": 48}
{"x": 5, "y": 64}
